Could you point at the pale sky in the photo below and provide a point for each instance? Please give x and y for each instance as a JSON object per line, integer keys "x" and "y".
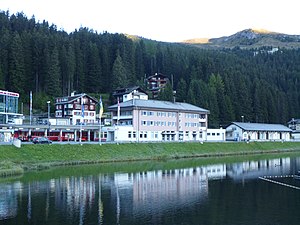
{"x": 164, "y": 20}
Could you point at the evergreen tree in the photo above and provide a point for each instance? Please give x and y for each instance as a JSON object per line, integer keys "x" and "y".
{"x": 181, "y": 92}
{"x": 53, "y": 81}
{"x": 166, "y": 93}
{"x": 16, "y": 65}
{"x": 93, "y": 79}
{"x": 119, "y": 73}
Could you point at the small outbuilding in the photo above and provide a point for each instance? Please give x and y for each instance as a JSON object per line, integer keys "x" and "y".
{"x": 294, "y": 124}
{"x": 237, "y": 131}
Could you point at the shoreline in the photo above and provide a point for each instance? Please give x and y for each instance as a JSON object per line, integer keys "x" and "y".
{"x": 16, "y": 161}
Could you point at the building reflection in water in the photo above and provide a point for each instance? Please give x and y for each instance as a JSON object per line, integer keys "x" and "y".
{"x": 79, "y": 200}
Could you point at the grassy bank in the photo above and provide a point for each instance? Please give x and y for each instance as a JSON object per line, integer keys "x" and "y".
{"x": 44, "y": 156}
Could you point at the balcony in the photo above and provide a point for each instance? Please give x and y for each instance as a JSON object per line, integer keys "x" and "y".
{"x": 125, "y": 117}
{"x": 202, "y": 120}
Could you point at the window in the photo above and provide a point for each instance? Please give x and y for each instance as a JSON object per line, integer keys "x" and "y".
{"x": 144, "y": 123}
{"x": 77, "y": 106}
{"x": 129, "y": 134}
{"x": 134, "y": 134}
{"x": 150, "y": 113}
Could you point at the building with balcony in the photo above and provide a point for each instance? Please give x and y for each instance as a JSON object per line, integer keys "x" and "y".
{"x": 139, "y": 120}
{"x": 78, "y": 108}
{"x": 294, "y": 125}
{"x": 156, "y": 82}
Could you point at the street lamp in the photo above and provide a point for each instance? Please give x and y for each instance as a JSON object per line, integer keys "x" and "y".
{"x": 242, "y": 119}
{"x": 48, "y": 103}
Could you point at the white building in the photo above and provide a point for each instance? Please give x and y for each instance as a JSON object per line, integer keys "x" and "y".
{"x": 77, "y": 108}
{"x": 216, "y": 134}
{"x": 126, "y": 94}
{"x": 139, "y": 120}
{"x": 257, "y": 132}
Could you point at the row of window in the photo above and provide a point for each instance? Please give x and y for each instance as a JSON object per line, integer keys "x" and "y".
{"x": 173, "y": 114}
{"x": 170, "y": 123}
{"x": 154, "y": 134}
{"x": 213, "y": 134}
{"x": 76, "y": 113}
{"x": 158, "y": 123}
{"x": 194, "y": 116}
{"x": 194, "y": 124}
{"x": 75, "y": 106}
{"x": 159, "y": 114}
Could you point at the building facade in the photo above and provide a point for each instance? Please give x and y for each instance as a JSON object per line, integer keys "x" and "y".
{"x": 79, "y": 109}
{"x": 294, "y": 125}
{"x": 126, "y": 94}
{"x": 139, "y": 120}
{"x": 237, "y": 131}
{"x": 156, "y": 82}
{"x": 9, "y": 107}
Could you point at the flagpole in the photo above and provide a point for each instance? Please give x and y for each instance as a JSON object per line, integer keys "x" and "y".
{"x": 81, "y": 121}
{"x": 118, "y": 117}
{"x": 30, "y": 106}
{"x": 100, "y": 115}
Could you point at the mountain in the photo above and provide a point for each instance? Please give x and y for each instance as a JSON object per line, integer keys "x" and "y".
{"x": 249, "y": 39}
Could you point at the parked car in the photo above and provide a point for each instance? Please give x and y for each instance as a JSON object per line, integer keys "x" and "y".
{"x": 41, "y": 140}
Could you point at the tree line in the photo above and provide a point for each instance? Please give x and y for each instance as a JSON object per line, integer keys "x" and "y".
{"x": 231, "y": 83}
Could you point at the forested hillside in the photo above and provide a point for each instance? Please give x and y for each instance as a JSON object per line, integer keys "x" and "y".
{"x": 35, "y": 56}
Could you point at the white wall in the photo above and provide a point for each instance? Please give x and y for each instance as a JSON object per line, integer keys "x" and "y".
{"x": 216, "y": 134}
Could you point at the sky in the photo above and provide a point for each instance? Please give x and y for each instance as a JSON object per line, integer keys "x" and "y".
{"x": 163, "y": 20}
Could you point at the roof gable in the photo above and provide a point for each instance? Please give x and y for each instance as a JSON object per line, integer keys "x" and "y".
{"x": 72, "y": 98}
{"x": 123, "y": 91}
{"x": 261, "y": 127}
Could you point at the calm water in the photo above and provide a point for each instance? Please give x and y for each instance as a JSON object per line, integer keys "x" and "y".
{"x": 156, "y": 193}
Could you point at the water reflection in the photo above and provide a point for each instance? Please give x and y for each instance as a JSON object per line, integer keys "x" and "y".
{"x": 122, "y": 198}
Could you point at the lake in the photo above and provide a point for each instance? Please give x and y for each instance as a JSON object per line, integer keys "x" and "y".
{"x": 256, "y": 191}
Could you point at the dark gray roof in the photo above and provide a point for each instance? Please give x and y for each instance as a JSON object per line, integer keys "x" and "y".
{"x": 262, "y": 127}
{"x": 123, "y": 91}
{"x": 294, "y": 121}
{"x": 155, "y": 104}
{"x": 70, "y": 99}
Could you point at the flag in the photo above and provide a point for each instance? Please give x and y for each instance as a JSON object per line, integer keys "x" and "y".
{"x": 118, "y": 110}
{"x": 101, "y": 108}
{"x": 82, "y": 107}
{"x": 30, "y": 106}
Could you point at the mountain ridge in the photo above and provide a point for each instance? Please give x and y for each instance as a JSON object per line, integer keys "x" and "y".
{"x": 248, "y": 39}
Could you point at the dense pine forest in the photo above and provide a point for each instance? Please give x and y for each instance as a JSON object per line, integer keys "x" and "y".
{"x": 231, "y": 83}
